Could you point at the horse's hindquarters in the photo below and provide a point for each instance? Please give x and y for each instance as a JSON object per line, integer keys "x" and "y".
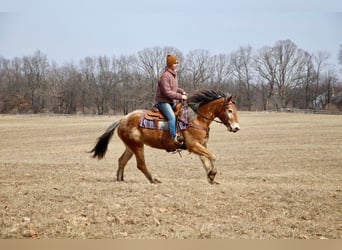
{"x": 133, "y": 135}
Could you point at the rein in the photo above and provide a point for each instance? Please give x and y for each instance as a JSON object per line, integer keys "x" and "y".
{"x": 206, "y": 118}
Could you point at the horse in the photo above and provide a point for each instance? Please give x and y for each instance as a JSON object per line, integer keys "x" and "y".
{"x": 206, "y": 104}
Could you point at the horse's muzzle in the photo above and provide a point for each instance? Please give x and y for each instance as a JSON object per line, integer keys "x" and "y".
{"x": 234, "y": 127}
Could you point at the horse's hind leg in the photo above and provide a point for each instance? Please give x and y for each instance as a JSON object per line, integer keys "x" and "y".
{"x": 141, "y": 165}
{"x": 124, "y": 158}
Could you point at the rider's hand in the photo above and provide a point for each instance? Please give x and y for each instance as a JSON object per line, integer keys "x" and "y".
{"x": 184, "y": 97}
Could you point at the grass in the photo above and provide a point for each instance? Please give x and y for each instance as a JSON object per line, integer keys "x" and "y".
{"x": 281, "y": 177}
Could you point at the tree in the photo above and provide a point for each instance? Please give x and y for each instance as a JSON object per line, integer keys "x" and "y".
{"x": 129, "y": 94}
{"x": 65, "y": 88}
{"x": 35, "y": 70}
{"x": 242, "y": 61}
{"x": 282, "y": 67}
{"x": 319, "y": 61}
{"x": 88, "y": 73}
{"x": 289, "y": 68}
{"x": 13, "y": 95}
{"x": 307, "y": 82}
{"x": 273, "y": 77}
{"x": 152, "y": 62}
{"x": 105, "y": 81}
{"x": 266, "y": 68}
{"x": 223, "y": 72}
{"x": 199, "y": 68}
{"x": 329, "y": 82}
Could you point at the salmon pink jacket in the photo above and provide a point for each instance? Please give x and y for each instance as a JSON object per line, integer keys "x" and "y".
{"x": 167, "y": 88}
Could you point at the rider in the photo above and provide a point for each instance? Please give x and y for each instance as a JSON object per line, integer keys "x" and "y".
{"x": 167, "y": 95}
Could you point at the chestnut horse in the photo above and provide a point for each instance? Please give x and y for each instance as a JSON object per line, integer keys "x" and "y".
{"x": 207, "y": 104}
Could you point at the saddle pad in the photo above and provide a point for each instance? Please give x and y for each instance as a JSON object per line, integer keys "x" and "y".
{"x": 163, "y": 125}
{"x": 151, "y": 124}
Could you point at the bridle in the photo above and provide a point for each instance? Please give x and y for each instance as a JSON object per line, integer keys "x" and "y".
{"x": 226, "y": 122}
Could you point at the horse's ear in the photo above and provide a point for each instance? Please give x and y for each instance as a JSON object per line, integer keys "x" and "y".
{"x": 232, "y": 98}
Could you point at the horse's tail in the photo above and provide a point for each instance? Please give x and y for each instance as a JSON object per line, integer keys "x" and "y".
{"x": 101, "y": 146}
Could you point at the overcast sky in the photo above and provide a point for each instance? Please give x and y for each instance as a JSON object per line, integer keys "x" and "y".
{"x": 68, "y": 31}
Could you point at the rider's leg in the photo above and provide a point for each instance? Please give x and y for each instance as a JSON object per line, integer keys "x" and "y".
{"x": 167, "y": 111}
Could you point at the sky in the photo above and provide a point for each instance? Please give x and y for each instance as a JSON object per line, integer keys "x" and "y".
{"x": 67, "y": 31}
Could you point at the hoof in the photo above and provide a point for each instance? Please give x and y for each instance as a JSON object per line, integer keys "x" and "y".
{"x": 214, "y": 182}
{"x": 155, "y": 181}
{"x": 211, "y": 176}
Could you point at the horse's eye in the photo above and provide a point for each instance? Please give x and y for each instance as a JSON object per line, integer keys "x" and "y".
{"x": 230, "y": 111}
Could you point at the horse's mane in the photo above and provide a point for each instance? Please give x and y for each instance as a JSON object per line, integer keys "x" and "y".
{"x": 203, "y": 96}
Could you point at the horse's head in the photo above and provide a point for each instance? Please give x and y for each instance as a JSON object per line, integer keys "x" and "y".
{"x": 209, "y": 104}
{"x": 228, "y": 115}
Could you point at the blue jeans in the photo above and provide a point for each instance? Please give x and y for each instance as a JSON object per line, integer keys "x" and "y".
{"x": 167, "y": 111}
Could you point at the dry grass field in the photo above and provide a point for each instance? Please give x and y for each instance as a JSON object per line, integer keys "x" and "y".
{"x": 281, "y": 177}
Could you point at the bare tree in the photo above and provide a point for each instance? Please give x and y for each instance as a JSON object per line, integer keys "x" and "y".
{"x": 13, "y": 95}
{"x": 56, "y": 83}
{"x": 289, "y": 67}
{"x": 129, "y": 94}
{"x": 319, "y": 61}
{"x": 307, "y": 82}
{"x": 274, "y": 77}
{"x": 242, "y": 61}
{"x": 35, "y": 69}
{"x": 152, "y": 62}
{"x": 88, "y": 72}
{"x": 99, "y": 77}
{"x": 222, "y": 73}
{"x": 199, "y": 68}
{"x": 329, "y": 82}
{"x": 282, "y": 66}
{"x": 266, "y": 67}
{"x": 65, "y": 88}
{"x": 105, "y": 80}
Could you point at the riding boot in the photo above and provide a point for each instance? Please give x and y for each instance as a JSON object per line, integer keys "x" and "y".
{"x": 178, "y": 140}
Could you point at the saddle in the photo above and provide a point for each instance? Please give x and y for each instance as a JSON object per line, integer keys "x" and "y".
{"x": 154, "y": 113}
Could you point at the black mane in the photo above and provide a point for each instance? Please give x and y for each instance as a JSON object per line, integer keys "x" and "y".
{"x": 203, "y": 96}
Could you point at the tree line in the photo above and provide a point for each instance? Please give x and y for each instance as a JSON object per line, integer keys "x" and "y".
{"x": 272, "y": 77}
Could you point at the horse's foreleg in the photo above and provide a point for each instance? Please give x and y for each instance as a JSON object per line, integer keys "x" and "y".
{"x": 124, "y": 158}
{"x": 139, "y": 154}
{"x": 207, "y": 159}
{"x": 209, "y": 168}
{"x": 206, "y": 163}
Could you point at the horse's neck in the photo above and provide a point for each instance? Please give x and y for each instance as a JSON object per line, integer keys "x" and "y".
{"x": 204, "y": 115}
{"x": 209, "y": 111}
{"x": 192, "y": 114}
